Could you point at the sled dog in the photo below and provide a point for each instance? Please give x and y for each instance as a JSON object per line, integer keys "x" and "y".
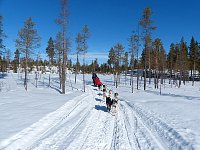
{"x": 115, "y": 105}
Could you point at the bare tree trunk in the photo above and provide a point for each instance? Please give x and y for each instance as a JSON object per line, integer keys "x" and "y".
{"x": 155, "y": 79}
{"x": 64, "y": 28}
{"x": 76, "y": 67}
{"x": 132, "y": 82}
{"x": 125, "y": 76}
{"x": 171, "y": 74}
{"x": 114, "y": 77}
{"x": 75, "y": 76}
{"x": 84, "y": 72}
{"x": 193, "y": 74}
{"x": 26, "y": 65}
{"x": 49, "y": 80}
{"x": 36, "y": 78}
{"x": 145, "y": 68}
{"x": 63, "y": 77}
{"x": 137, "y": 79}
{"x": 149, "y": 73}
{"x": 180, "y": 78}
{"x": 116, "y": 80}
{"x": 60, "y": 71}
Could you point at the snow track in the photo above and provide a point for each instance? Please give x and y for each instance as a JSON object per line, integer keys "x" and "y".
{"x": 153, "y": 133}
{"x": 84, "y": 123}
{"x": 48, "y": 125}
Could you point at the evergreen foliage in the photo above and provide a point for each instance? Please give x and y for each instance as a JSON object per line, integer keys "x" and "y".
{"x": 50, "y": 51}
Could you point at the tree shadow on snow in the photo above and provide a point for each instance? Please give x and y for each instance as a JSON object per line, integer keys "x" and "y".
{"x": 58, "y": 90}
{"x": 174, "y": 95}
{"x": 2, "y": 75}
{"x": 102, "y": 108}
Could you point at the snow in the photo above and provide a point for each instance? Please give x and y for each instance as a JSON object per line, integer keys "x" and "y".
{"x": 42, "y": 118}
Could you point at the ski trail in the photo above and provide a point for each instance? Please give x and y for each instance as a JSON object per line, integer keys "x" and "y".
{"x": 33, "y": 133}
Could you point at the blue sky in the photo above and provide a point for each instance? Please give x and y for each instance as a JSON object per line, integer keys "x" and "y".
{"x": 110, "y": 21}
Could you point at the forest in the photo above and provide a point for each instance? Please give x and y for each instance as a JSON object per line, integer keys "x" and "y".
{"x": 179, "y": 64}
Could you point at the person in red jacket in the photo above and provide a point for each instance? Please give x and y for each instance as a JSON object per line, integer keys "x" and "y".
{"x": 94, "y": 75}
{"x": 98, "y": 82}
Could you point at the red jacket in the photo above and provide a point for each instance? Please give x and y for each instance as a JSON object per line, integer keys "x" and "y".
{"x": 97, "y": 81}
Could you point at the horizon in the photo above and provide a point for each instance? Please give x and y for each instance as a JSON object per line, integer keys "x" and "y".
{"x": 110, "y": 22}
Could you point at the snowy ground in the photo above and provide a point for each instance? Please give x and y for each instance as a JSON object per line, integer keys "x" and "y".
{"x": 42, "y": 118}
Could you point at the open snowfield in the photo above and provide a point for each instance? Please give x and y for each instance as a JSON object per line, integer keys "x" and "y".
{"x": 44, "y": 119}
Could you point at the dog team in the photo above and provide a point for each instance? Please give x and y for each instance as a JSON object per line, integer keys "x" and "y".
{"x": 109, "y": 97}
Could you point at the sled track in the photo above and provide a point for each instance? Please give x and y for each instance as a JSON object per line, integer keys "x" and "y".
{"x": 55, "y": 120}
{"x": 124, "y": 133}
{"x": 58, "y": 136}
{"x": 62, "y": 131}
{"x": 115, "y": 141}
{"x": 130, "y": 129}
{"x": 164, "y": 136}
{"x": 96, "y": 133}
{"x": 79, "y": 144}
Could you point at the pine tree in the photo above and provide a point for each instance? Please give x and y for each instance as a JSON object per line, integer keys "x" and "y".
{"x": 95, "y": 65}
{"x": 162, "y": 62}
{"x": 58, "y": 55}
{"x": 2, "y": 47}
{"x": 16, "y": 60}
{"x": 184, "y": 60}
{"x": 171, "y": 60}
{"x": 193, "y": 57}
{"x": 111, "y": 58}
{"x": 50, "y": 51}
{"x": 63, "y": 23}
{"x": 198, "y": 60}
{"x": 69, "y": 64}
{"x": 2, "y": 36}
{"x": 78, "y": 50}
{"x": 27, "y": 42}
{"x": 125, "y": 64}
{"x": 146, "y": 23}
{"x": 133, "y": 50}
{"x": 84, "y": 46}
{"x": 118, "y": 50}
{"x": 157, "y": 44}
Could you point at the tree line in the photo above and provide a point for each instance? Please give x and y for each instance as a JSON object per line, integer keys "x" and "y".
{"x": 181, "y": 63}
